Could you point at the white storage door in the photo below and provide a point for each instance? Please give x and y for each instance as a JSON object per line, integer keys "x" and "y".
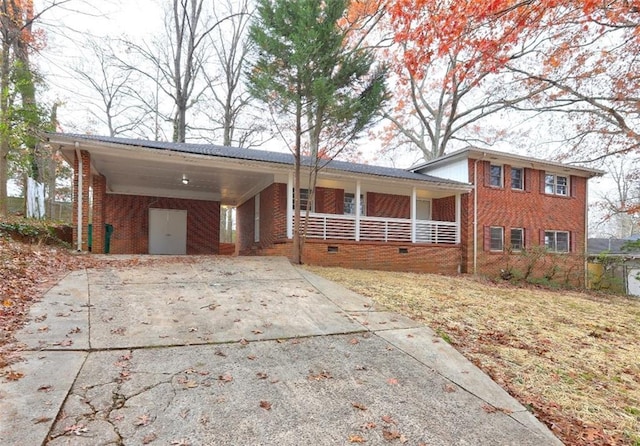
{"x": 167, "y": 231}
{"x": 633, "y": 282}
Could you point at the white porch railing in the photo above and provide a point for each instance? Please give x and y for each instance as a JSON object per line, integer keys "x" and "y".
{"x": 343, "y": 227}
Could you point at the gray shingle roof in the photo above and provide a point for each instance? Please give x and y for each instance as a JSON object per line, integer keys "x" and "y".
{"x": 260, "y": 155}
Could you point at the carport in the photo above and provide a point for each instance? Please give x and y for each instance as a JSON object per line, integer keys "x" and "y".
{"x": 151, "y": 193}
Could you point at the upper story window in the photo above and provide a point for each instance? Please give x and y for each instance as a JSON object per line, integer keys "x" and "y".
{"x": 350, "y": 204}
{"x": 556, "y": 184}
{"x": 517, "y": 178}
{"x": 496, "y": 238}
{"x": 556, "y": 241}
{"x": 495, "y": 175}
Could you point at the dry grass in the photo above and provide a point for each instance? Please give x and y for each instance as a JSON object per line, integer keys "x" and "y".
{"x": 572, "y": 358}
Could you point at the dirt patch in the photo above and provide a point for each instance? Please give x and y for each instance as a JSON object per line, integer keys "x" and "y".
{"x": 572, "y": 358}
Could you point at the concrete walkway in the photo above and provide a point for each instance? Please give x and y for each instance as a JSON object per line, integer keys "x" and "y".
{"x": 242, "y": 351}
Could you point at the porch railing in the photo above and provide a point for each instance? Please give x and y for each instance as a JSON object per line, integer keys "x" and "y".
{"x": 343, "y": 227}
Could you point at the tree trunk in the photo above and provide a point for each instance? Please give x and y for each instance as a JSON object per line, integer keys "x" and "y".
{"x": 297, "y": 242}
{"x": 4, "y": 120}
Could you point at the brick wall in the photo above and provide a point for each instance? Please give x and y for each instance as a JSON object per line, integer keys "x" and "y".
{"x": 531, "y": 210}
{"x": 245, "y": 221}
{"x": 99, "y": 186}
{"x": 377, "y": 256}
{"x": 388, "y": 205}
{"x": 329, "y": 201}
{"x": 129, "y": 215}
{"x": 273, "y": 214}
{"x": 444, "y": 209}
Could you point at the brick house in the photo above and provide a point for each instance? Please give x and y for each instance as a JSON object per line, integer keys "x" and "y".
{"x": 471, "y": 211}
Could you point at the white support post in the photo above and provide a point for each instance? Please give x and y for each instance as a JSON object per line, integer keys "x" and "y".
{"x": 414, "y": 213}
{"x": 290, "y": 206}
{"x": 358, "y": 211}
{"x": 458, "y": 216}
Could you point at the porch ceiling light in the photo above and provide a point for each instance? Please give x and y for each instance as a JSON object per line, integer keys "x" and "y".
{"x": 185, "y": 180}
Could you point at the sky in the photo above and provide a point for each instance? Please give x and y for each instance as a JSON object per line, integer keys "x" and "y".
{"x": 68, "y": 29}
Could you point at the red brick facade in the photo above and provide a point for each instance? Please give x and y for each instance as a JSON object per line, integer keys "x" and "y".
{"x": 532, "y": 210}
{"x": 440, "y": 259}
{"x": 129, "y": 215}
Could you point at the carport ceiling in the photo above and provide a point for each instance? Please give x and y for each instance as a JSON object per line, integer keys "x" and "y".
{"x": 160, "y": 173}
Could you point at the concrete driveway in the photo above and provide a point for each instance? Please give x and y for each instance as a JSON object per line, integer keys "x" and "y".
{"x": 242, "y": 351}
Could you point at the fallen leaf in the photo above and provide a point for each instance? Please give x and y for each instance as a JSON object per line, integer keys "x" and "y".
{"x": 66, "y": 343}
{"x": 390, "y": 435}
{"x": 319, "y": 376}
{"x": 43, "y": 328}
{"x": 143, "y": 420}
{"x": 359, "y": 406}
{"x": 12, "y": 375}
{"x": 181, "y": 442}
{"x": 46, "y": 388}
{"x": 251, "y": 357}
{"x": 75, "y": 330}
{"x": 226, "y": 378}
{"x": 257, "y": 332}
{"x": 387, "y": 419}
{"x": 243, "y": 341}
{"x": 219, "y": 352}
{"x": 353, "y": 438}
{"x": 392, "y": 381}
{"x": 262, "y": 375}
{"x": 449, "y": 388}
{"x": 149, "y": 438}
{"x": 369, "y": 425}
{"x": 354, "y": 341}
{"x": 489, "y": 408}
{"x": 42, "y": 420}
{"x": 265, "y": 405}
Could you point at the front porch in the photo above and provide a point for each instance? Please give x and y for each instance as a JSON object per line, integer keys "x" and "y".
{"x": 379, "y": 229}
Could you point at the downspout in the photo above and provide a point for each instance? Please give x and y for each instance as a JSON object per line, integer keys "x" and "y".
{"x": 586, "y": 233}
{"x": 475, "y": 216}
{"x": 79, "y": 198}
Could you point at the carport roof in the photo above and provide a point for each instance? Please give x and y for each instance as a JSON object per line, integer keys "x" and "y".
{"x": 253, "y": 155}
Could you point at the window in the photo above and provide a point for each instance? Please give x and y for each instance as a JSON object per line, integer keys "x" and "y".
{"x": 556, "y": 241}
{"x": 304, "y": 200}
{"x": 517, "y": 178}
{"x": 517, "y": 239}
{"x": 495, "y": 175}
{"x": 496, "y": 241}
{"x": 556, "y": 184}
{"x": 350, "y": 204}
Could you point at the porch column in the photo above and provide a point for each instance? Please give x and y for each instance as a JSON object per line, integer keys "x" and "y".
{"x": 414, "y": 205}
{"x": 358, "y": 210}
{"x": 458, "y": 216}
{"x": 99, "y": 193}
{"x": 290, "y": 206}
{"x": 81, "y": 183}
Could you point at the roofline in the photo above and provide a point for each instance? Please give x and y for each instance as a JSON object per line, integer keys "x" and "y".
{"x": 94, "y": 141}
{"x": 477, "y": 153}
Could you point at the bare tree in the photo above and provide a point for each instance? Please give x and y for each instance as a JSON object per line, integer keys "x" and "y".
{"x": 620, "y": 206}
{"x": 175, "y": 62}
{"x": 120, "y": 106}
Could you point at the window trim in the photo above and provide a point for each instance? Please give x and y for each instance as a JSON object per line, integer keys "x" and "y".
{"x": 491, "y": 176}
{"x": 555, "y": 241}
{"x": 522, "y": 245}
{"x": 522, "y": 180}
{"x": 362, "y": 204}
{"x": 554, "y": 184}
{"x": 304, "y": 199}
{"x": 491, "y": 239}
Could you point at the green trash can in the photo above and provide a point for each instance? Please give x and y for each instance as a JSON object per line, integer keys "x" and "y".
{"x": 90, "y": 237}
{"x": 108, "y": 231}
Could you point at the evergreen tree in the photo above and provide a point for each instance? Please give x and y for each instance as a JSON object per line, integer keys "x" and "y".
{"x": 309, "y": 73}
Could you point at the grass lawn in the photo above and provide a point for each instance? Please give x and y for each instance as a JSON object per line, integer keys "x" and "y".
{"x": 573, "y": 358}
